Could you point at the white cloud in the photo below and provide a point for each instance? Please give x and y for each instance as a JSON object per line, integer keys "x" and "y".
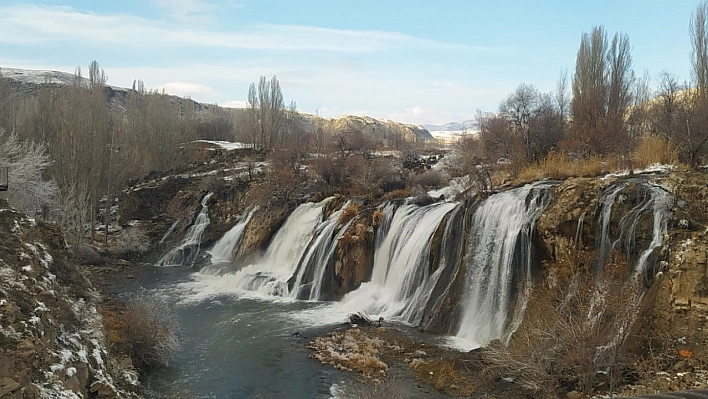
{"x": 189, "y": 10}
{"x": 31, "y": 24}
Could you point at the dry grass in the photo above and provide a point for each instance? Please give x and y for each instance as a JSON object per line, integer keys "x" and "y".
{"x": 151, "y": 331}
{"x": 348, "y": 213}
{"x": 443, "y": 375}
{"x": 558, "y": 166}
{"x": 652, "y": 150}
{"x": 351, "y": 350}
{"x": 395, "y": 194}
{"x": 377, "y": 218}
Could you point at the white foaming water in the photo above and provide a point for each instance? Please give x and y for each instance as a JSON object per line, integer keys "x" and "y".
{"x": 401, "y": 282}
{"x": 498, "y": 256}
{"x": 169, "y": 232}
{"x": 187, "y": 251}
{"x": 268, "y": 277}
{"x": 661, "y": 201}
{"x": 656, "y": 200}
{"x": 317, "y": 257}
{"x": 223, "y": 251}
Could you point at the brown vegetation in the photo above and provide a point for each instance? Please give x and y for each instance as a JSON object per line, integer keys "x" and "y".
{"x": 574, "y": 331}
{"x": 151, "y": 331}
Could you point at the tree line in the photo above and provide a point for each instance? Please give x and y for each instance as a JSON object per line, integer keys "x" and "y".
{"x": 604, "y": 109}
{"x": 86, "y": 140}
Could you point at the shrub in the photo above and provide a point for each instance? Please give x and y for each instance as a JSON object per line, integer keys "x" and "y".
{"x": 430, "y": 178}
{"x": 133, "y": 241}
{"x": 573, "y": 329}
{"x": 151, "y": 331}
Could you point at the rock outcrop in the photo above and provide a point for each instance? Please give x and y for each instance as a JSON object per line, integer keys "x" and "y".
{"x": 52, "y": 342}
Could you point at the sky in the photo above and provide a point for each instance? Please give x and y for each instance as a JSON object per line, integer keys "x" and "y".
{"x": 415, "y": 61}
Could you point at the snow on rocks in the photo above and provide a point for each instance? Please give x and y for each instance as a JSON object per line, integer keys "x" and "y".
{"x": 53, "y": 336}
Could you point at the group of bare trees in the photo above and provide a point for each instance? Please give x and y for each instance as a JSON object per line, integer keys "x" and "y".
{"x": 607, "y": 110}
{"x": 680, "y": 111}
{"x": 602, "y": 92}
{"x": 95, "y": 138}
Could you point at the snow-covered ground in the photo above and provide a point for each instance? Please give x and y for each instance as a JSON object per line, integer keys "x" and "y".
{"x": 226, "y": 145}
{"x": 651, "y": 169}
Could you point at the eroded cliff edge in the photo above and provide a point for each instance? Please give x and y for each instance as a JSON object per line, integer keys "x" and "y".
{"x": 52, "y": 337}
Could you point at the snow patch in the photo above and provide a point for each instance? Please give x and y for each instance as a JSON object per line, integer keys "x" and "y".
{"x": 656, "y": 168}
{"x": 226, "y": 145}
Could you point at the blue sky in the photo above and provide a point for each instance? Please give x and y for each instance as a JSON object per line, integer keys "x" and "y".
{"x": 415, "y": 61}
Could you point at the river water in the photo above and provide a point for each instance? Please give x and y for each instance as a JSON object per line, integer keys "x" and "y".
{"x": 235, "y": 345}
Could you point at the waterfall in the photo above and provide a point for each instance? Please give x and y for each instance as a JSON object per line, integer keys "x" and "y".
{"x": 309, "y": 278}
{"x": 270, "y": 275}
{"x": 603, "y": 240}
{"x": 499, "y": 256}
{"x": 187, "y": 251}
{"x": 654, "y": 199}
{"x": 401, "y": 279}
{"x": 169, "y": 232}
{"x": 223, "y": 251}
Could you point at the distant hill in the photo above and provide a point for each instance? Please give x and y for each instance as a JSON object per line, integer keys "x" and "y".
{"x": 28, "y": 82}
{"x": 469, "y": 124}
{"x": 372, "y": 127}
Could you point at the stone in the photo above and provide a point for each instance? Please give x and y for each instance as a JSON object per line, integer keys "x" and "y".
{"x": 7, "y": 366}
{"x": 7, "y": 385}
{"x": 25, "y": 350}
{"x": 575, "y": 395}
{"x": 73, "y": 384}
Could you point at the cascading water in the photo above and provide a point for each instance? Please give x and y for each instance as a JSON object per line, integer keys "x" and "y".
{"x": 169, "y": 232}
{"x": 319, "y": 257}
{"x": 271, "y": 274}
{"x": 652, "y": 198}
{"x": 401, "y": 279}
{"x": 223, "y": 251}
{"x": 187, "y": 251}
{"x": 499, "y": 256}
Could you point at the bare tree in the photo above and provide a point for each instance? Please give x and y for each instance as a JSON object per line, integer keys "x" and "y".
{"x": 697, "y": 135}
{"x": 26, "y": 163}
{"x": 266, "y": 110}
{"x": 602, "y": 91}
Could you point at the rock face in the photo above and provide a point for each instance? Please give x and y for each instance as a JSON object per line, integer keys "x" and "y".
{"x": 674, "y": 317}
{"x": 52, "y": 342}
{"x": 374, "y": 129}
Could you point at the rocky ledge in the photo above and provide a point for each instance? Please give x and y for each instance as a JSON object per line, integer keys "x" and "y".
{"x": 52, "y": 339}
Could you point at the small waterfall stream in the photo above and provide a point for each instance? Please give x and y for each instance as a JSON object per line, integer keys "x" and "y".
{"x": 499, "y": 257}
{"x": 223, "y": 251}
{"x": 270, "y": 275}
{"x": 309, "y": 278}
{"x": 652, "y": 200}
{"x": 401, "y": 281}
{"x": 186, "y": 252}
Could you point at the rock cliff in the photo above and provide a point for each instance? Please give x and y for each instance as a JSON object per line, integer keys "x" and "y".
{"x": 52, "y": 341}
